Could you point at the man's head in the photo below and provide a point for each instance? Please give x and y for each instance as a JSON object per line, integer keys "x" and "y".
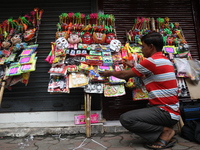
{"x": 151, "y": 43}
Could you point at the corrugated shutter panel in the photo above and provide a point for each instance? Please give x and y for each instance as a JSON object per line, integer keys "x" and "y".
{"x": 34, "y": 96}
{"x": 125, "y": 11}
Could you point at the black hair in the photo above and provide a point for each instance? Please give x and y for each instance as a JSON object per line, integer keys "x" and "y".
{"x": 154, "y": 38}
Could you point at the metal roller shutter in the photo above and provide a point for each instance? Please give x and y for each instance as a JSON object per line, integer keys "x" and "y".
{"x": 186, "y": 12}
{"x": 34, "y": 96}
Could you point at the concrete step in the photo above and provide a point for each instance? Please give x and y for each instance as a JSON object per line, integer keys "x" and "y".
{"x": 55, "y": 128}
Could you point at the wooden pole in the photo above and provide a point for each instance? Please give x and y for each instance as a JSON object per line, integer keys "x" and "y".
{"x": 2, "y": 91}
{"x": 3, "y": 82}
{"x": 87, "y": 114}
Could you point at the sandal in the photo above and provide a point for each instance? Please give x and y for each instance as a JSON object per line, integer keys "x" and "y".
{"x": 164, "y": 144}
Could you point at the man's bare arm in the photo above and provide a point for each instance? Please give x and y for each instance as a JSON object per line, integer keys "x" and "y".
{"x": 124, "y": 74}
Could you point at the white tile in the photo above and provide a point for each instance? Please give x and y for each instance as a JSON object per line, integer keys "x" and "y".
{"x": 7, "y": 117}
{"x": 55, "y": 116}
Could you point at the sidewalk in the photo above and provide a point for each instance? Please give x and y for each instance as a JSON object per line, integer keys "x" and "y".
{"x": 115, "y": 141}
{"x": 109, "y": 135}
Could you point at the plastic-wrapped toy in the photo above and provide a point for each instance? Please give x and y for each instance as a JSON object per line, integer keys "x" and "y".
{"x": 11, "y": 58}
{"x": 58, "y": 49}
{"x": 183, "y": 67}
{"x": 77, "y": 80}
{"x": 114, "y": 80}
{"x": 104, "y": 68}
{"x": 95, "y": 53}
{"x": 170, "y": 51}
{"x": 19, "y": 46}
{"x": 59, "y": 84}
{"x": 114, "y": 90}
{"x": 94, "y": 60}
{"x": 13, "y": 70}
{"x": 107, "y": 58}
{"x": 29, "y": 50}
{"x": 59, "y": 69}
{"x": 82, "y": 46}
{"x": 95, "y": 76}
{"x": 72, "y": 68}
{"x": 80, "y": 119}
{"x": 25, "y": 77}
{"x": 94, "y": 87}
{"x": 27, "y": 59}
{"x": 83, "y": 67}
{"x": 117, "y": 58}
{"x": 140, "y": 94}
{"x": 29, "y": 67}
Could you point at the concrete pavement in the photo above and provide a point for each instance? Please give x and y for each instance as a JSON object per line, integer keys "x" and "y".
{"x": 109, "y": 135}
{"x": 100, "y": 141}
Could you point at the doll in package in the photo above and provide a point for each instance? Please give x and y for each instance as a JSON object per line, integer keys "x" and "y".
{"x": 114, "y": 90}
{"x": 58, "y": 84}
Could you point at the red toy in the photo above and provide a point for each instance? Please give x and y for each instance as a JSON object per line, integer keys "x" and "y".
{"x": 87, "y": 38}
{"x": 109, "y": 37}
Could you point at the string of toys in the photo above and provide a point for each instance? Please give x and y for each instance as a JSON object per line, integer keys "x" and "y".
{"x": 18, "y": 44}
{"x": 175, "y": 47}
{"x": 85, "y": 46}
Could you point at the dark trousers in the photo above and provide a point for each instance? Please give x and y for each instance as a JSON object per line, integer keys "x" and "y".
{"x": 147, "y": 122}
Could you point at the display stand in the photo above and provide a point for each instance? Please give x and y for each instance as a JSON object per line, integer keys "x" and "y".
{"x": 2, "y": 90}
{"x": 3, "y": 83}
{"x": 87, "y": 99}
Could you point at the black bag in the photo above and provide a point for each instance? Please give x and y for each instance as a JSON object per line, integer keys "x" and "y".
{"x": 191, "y": 131}
{"x": 190, "y": 110}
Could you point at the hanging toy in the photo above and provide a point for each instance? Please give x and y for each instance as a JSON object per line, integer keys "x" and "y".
{"x": 115, "y": 45}
{"x": 62, "y": 34}
{"x": 99, "y": 38}
{"x": 87, "y": 38}
{"x": 110, "y": 37}
{"x": 51, "y": 56}
{"x": 48, "y": 57}
{"x": 16, "y": 39}
{"x": 6, "y": 44}
{"x": 61, "y": 43}
{"x": 40, "y": 16}
{"x": 73, "y": 40}
{"x": 29, "y": 34}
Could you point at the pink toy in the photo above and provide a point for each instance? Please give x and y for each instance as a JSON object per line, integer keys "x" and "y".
{"x": 73, "y": 40}
{"x": 80, "y": 119}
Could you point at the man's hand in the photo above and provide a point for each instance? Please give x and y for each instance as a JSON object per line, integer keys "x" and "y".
{"x": 105, "y": 73}
{"x": 124, "y": 74}
{"x": 128, "y": 63}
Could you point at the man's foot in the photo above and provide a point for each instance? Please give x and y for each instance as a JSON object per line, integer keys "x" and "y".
{"x": 165, "y": 140}
{"x": 162, "y": 144}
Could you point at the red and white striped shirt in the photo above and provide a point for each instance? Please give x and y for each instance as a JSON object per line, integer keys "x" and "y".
{"x": 160, "y": 82}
